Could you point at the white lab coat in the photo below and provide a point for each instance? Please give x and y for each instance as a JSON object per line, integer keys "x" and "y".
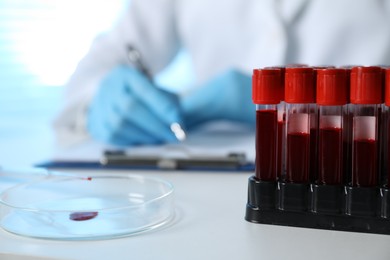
{"x": 223, "y": 34}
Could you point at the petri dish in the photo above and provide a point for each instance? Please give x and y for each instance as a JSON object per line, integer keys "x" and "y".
{"x": 11, "y": 176}
{"x": 86, "y": 207}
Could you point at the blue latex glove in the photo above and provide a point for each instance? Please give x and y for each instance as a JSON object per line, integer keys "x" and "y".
{"x": 129, "y": 109}
{"x": 228, "y": 96}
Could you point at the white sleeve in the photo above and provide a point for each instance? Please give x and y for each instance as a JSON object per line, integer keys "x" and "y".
{"x": 147, "y": 24}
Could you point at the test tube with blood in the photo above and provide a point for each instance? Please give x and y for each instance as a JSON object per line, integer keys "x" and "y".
{"x": 266, "y": 94}
{"x": 299, "y": 97}
{"x": 332, "y": 99}
{"x": 385, "y": 149}
{"x": 366, "y": 97}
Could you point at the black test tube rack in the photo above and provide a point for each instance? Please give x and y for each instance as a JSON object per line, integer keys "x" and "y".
{"x": 330, "y": 207}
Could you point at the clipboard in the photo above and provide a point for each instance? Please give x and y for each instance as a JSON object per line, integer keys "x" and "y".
{"x": 230, "y": 162}
{"x": 223, "y": 148}
{"x": 118, "y": 160}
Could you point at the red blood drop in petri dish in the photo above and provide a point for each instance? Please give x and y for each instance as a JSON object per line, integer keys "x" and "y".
{"x": 81, "y": 216}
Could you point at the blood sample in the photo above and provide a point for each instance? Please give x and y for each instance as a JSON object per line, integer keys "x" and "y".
{"x": 266, "y": 94}
{"x": 299, "y": 95}
{"x": 298, "y": 147}
{"x": 281, "y": 126}
{"x": 281, "y": 141}
{"x": 330, "y": 151}
{"x": 366, "y": 97}
{"x": 384, "y": 128}
{"x": 332, "y": 98}
{"x": 82, "y": 216}
{"x": 364, "y": 169}
{"x": 347, "y": 127}
{"x": 386, "y": 131}
{"x": 313, "y": 163}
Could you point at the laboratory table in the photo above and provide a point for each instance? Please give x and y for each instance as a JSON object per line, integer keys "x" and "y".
{"x": 208, "y": 224}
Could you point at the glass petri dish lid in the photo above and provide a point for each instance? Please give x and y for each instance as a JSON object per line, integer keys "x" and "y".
{"x": 11, "y": 176}
{"x": 87, "y": 207}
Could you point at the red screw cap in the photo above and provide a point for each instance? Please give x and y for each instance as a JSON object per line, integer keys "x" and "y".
{"x": 267, "y": 87}
{"x": 387, "y": 87}
{"x": 366, "y": 85}
{"x": 283, "y": 72}
{"x": 299, "y": 85}
{"x": 332, "y": 88}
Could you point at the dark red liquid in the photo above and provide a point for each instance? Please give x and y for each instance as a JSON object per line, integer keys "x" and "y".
{"x": 280, "y": 149}
{"x": 313, "y": 164}
{"x": 364, "y": 163}
{"x": 379, "y": 157}
{"x": 81, "y": 216}
{"x": 298, "y": 147}
{"x": 266, "y": 144}
{"x": 388, "y": 155}
{"x": 347, "y": 161}
{"x": 347, "y": 148}
{"x": 330, "y": 158}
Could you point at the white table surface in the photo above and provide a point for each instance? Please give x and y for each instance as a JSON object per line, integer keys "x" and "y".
{"x": 209, "y": 224}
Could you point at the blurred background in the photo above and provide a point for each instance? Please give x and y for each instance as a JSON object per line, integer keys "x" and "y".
{"x": 41, "y": 42}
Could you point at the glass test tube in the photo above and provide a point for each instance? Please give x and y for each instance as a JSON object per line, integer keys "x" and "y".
{"x": 347, "y": 127}
{"x": 281, "y": 125}
{"x": 332, "y": 99}
{"x": 366, "y": 97}
{"x": 386, "y": 131}
{"x": 266, "y": 94}
{"x": 314, "y": 121}
{"x": 383, "y": 130}
{"x": 299, "y": 95}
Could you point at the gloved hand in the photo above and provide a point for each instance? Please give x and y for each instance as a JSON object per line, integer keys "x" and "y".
{"x": 129, "y": 109}
{"x": 228, "y": 96}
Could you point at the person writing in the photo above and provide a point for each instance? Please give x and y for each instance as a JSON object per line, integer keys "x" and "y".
{"x": 110, "y": 99}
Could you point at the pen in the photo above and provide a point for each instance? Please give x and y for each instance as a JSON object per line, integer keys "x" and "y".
{"x": 134, "y": 57}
